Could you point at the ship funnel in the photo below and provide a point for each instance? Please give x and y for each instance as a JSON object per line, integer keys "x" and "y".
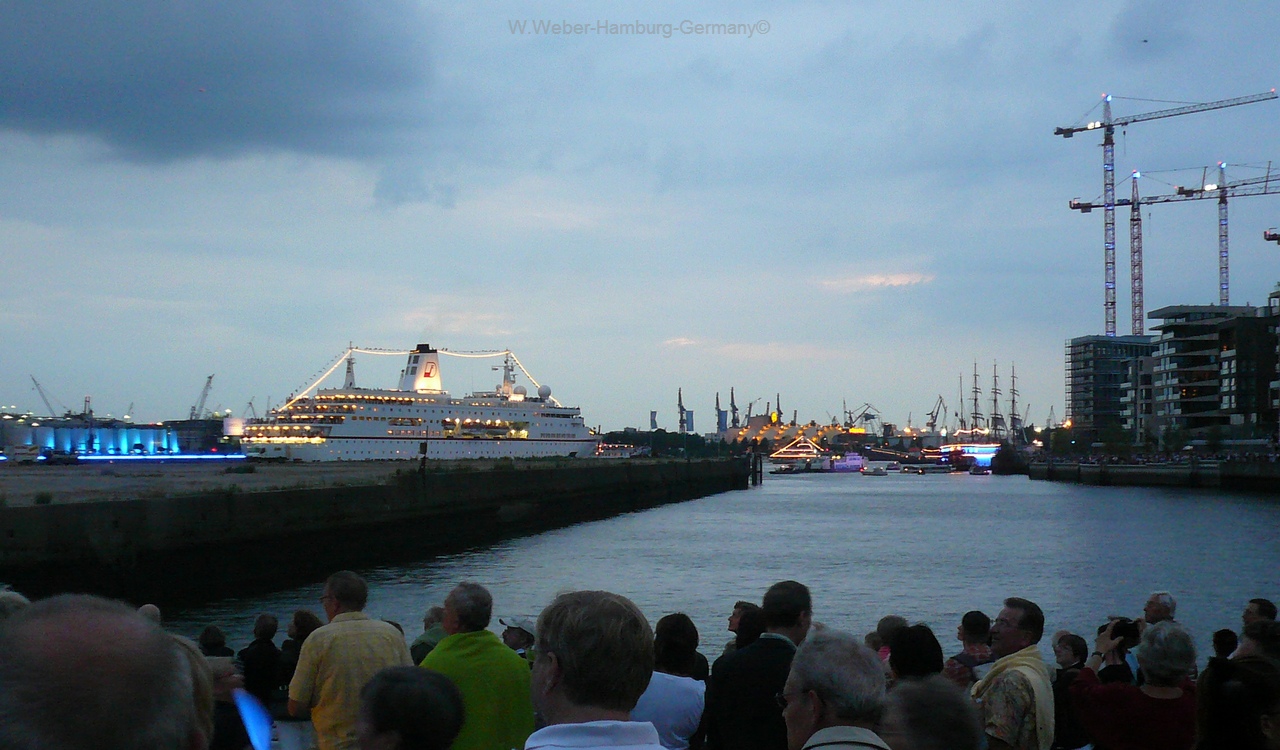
{"x": 422, "y": 373}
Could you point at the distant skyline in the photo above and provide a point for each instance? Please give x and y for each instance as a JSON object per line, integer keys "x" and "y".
{"x": 836, "y": 202}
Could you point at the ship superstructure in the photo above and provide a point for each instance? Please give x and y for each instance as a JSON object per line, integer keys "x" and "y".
{"x": 420, "y": 418}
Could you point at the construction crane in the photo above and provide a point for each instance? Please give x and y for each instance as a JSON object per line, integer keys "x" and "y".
{"x": 45, "y": 398}
{"x": 939, "y": 407}
{"x": 1267, "y": 184}
{"x": 1108, "y": 125}
{"x": 197, "y": 411}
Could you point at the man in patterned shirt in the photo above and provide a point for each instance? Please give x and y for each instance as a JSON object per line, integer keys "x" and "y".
{"x": 1015, "y": 698}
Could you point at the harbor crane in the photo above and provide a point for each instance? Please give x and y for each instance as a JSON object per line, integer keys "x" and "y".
{"x": 1108, "y": 125}
{"x": 44, "y": 396}
{"x": 1267, "y": 184}
{"x": 197, "y": 411}
{"x": 939, "y": 407}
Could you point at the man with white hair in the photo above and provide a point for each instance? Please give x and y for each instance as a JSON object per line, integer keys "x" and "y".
{"x": 834, "y": 694}
{"x": 493, "y": 679}
{"x": 1160, "y": 607}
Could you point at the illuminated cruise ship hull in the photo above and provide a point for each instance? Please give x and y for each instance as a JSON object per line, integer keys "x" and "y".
{"x": 357, "y": 424}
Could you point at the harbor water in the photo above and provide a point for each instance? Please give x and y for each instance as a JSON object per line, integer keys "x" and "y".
{"x": 926, "y": 547}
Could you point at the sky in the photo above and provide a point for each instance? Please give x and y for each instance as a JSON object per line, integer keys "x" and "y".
{"x": 843, "y": 203}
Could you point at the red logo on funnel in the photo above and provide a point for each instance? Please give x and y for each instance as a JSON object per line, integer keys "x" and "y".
{"x": 429, "y": 370}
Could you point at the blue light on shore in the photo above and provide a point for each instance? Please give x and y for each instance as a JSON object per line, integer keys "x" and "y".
{"x": 170, "y": 457}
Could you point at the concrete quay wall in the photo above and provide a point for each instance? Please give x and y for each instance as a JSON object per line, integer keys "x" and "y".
{"x": 1230, "y": 475}
{"x": 233, "y": 540}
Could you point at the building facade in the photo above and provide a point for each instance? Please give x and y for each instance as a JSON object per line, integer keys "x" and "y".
{"x": 1097, "y": 370}
{"x": 1209, "y": 363}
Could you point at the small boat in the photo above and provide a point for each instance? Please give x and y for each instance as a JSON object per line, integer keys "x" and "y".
{"x": 848, "y": 463}
{"x": 893, "y": 467}
{"x": 874, "y": 471}
{"x": 978, "y": 471}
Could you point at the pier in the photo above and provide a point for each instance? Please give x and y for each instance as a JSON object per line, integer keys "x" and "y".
{"x": 166, "y": 532}
{"x": 1254, "y": 476}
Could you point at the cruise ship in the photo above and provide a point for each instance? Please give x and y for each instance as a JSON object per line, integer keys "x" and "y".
{"x": 420, "y": 419}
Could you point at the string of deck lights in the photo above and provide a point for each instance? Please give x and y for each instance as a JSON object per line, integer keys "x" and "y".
{"x": 401, "y": 352}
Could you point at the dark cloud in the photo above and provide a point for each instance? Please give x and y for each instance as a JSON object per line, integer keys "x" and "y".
{"x": 167, "y": 79}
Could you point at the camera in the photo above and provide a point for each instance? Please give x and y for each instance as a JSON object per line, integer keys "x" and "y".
{"x": 1124, "y": 629}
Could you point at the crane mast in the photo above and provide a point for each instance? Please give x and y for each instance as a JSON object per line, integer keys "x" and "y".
{"x": 1267, "y": 184}
{"x": 1108, "y": 126}
{"x": 197, "y": 411}
{"x": 1137, "y": 322}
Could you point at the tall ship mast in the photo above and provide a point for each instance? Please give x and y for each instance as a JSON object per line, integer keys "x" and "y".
{"x": 419, "y": 418}
{"x": 997, "y": 419}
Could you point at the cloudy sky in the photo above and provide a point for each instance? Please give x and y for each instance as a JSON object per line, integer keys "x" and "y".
{"x": 851, "y": 202}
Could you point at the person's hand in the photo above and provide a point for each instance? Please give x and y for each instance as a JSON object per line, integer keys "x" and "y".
{"x": 1105, "y": 643}
{"x": 1141, "y": 622}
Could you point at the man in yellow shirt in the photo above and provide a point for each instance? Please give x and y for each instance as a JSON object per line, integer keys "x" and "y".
{"x": 339, "y": 658}
{"x": 494, "y": 680}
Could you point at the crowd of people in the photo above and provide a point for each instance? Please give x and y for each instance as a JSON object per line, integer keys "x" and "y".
{"x": 85, "y": 672}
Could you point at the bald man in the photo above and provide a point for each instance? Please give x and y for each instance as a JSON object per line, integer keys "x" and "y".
{"x": 85, "y": 672}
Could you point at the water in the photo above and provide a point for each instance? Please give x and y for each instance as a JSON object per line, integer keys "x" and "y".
{"x": 926, "y": 547}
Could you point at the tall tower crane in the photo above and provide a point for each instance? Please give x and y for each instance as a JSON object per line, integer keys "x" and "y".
{"x": 197, "y": 411}
{"x": 1268, "y": 184}
{"x": 1108, "y": 126}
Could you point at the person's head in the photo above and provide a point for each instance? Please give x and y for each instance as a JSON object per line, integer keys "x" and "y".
{"x": 265, "y": 627}
{"x": 788, "y": 609}
{"x": 151, "y": 612}
{"x": 872, "y": 641}
{"x": 409, "y": 708}
{"x": 85, "y": 672}
{"x": 736, "y": 615}
{"x": 212, "y": 639}
{"x": 930, "y": 714}
{"x": 975, "y": 627}
{"x": 675, "y": 645}
{"x": 1019, "y": 625}
{"x": 1238, "y": 704}
{"x": 915, "y": 652}
{"x": 750, "y": 626}
{"x": 304, "y": 623}
{"x": 344, "y": 591}
{"x": 520, "y": 633}
{"x": 434, "y": 615}
{"x": 1260, "y": 638}
{"x": 1258, "y": 609}
{"x": 1225, "y": 643}
{"x": 888, "y": 626}
{"x": 467, "y": 609}
{"x": 834, "y": 680}
{"x": 1160, "y": 606}
{"x": 11, "y": 602}
{"x": 1070, "y": 649}
{"x": 1167, "y": 654}
{"x": 595, "y": 657}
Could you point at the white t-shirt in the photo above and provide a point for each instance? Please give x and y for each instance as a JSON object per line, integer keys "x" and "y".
{"x": 674, "y": 706}
{"x": 595, "y": 735}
